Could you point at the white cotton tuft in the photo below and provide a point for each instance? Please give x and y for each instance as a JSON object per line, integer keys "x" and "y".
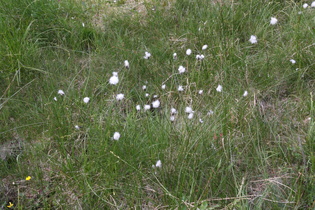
{"x": 292, "y": 61}
{"x": 305, "y": 5}
{"x": 86, "y": 100}
{"x": 253, "y": 39}
{"x": 188, "y": 51}
{"x": 147, "y": 107}
{"x": 200, "y": 92}
{"x": 147, "y": 55}
{"x": 163, "y": 87}
{"x": 60, "y": 92}
{"x": 172, "y": 118}
{"x": 189, "y": 110}
{"x": 156, "y": 104}
{"x": 200, "y": 57}
{"x": 114, "y": 79}
{"x": 273, "y": 21}
{"x": 55, "y": 99}
{"x": 180, "y": 88}
{"x": 245, "y": 93}
{"x": 158, "y": 164}
{"x": 173, "y": 111}
{"x": 181, "y": 69}
{"x": 138, "y": 107}
{"x": 204, "y": 47}
{"x": 191, "y": 115}
{"x": 116, "y": 136}
{"x": 126, "y": 63}
{"x": 175, "y": 56}
{"x": 219, "y": 88}
{"x": 120, "y": 97}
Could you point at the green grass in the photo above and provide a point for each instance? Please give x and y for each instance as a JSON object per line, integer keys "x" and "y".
{"x": 253, "y": 152}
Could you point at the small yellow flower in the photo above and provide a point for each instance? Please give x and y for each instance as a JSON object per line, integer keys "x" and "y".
{"x": 10, "y": 205}
{"x": 28, "y": 178}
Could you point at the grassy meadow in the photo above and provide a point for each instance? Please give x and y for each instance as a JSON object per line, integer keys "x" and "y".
{"x": 157, "y": 104}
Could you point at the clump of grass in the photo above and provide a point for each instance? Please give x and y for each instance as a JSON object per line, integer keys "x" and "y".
{"x": 227, "y": 150}
{"x": 32, "y": 28}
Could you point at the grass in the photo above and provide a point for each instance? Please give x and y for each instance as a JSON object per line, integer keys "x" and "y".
{"x": 249, "y": 152}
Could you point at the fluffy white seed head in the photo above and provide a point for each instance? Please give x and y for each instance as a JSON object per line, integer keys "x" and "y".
{"x": 204, "y": 47}
{"x": 173, "y": 111}
{"x": 200, "y": 57}
{"x": 156, "y": 104}
{"x": 114, "y": 79}
{"x": 172, "y": 118}
{"x": 55, "y": 98}
{"x": 181, "y": 69}
{"x": 305, "y": 5}
{"x": 163, "y": 87}
{"x": 190, "y": 115}
{"x": 144, "y": 87}
{"x": 86, "y": 100}
{"x": 292, "y": 61}
{"x": 188, "y": 51}
{"x": 273, "y": 21}
{"x": 120, "y": 97}
{"x": 245, "y": 93}
{"x": 253, "y": 39}
{"x": 116, "y": 136}
{"x": 200, "y": 92}
{"x": 147, "y": 107}
{"x": 313, "y": 4}
{"x": 138, "y": 107}
{"x": 219, "y": 88}
{"x": 180, "y": 88}
{"x": 60, "y": 92}
{"x": 126, "y": 63}
{"x": 147, "y": 55}
{"x": 158, "y": 164}
{"x": 189, "y": 110}
{"x": 175, "y": 56}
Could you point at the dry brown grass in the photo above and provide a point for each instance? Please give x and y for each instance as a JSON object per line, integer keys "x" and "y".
{"x": 102, "y": 9}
